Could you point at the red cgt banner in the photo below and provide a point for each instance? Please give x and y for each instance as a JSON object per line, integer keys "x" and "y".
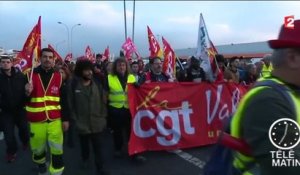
{"x": 169, "y": 116}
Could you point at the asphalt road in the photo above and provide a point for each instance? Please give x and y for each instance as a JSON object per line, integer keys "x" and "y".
{"x": 179, "y": 162}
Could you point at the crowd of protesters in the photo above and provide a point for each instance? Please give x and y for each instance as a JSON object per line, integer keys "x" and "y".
{"x": 85, "y": 98}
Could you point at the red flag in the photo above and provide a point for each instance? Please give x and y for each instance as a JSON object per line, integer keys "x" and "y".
{"x": 129, "y": 48}
{"x": 69, "y": 57}
{"x": 212, "y": 52}
{"x": 89, "y": 54}
{"x": 169, "y": 65}
{"x": 106, "y": 54}
{"x": 155, "y": 50}
{"x": 56, "y": 55}
{"x": 30, "y": 53}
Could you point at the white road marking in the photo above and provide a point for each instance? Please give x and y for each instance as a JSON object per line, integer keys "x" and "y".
{"x": 189, "y": 158}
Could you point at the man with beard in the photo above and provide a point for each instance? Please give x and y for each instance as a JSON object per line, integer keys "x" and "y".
{"x": 46, "y": 104}
{"x": 12, "y": 102}
{"x": 155, "y": 74}
{"x": 88, "y": 111}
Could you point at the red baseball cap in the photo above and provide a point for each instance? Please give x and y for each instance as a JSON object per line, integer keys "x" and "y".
{"x": 288, "y": 38}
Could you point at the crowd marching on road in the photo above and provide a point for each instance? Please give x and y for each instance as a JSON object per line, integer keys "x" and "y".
{"x": 57, "y": 99}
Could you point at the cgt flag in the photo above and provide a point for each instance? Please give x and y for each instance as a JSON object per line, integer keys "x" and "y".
{"x": 69, "y": 57}
{"x": 206, "y": 51}
{"x": 155, "y": 50}
{"x": 129, "y": 48}
{"x": 56, "y": 55}
{"x": 169, "y": 65}
{"x": 30, "y": 54}
{"x": 89, "y": 54}
{"x": 106, "y": 54}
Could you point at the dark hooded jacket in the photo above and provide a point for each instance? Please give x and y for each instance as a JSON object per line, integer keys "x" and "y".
{"x": 12, "y": 90}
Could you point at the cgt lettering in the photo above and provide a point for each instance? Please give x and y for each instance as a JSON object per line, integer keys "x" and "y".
{"x": 174, "y": 131}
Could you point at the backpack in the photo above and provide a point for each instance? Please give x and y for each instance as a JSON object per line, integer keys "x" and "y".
{"x": 221, "y": 159}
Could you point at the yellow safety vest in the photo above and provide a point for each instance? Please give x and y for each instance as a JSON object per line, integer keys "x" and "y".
{"x": 241, "y": 161}
{"x": 117, "y": 96}
{"x": 266, "y": 71}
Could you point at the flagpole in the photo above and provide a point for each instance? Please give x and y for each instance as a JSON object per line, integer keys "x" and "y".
{"x": 180, "y": 64}
{"x": 32, "y": 67}
{"x": 133, "y": 21}
{"x": 201, "y": 16}
{"x": 125, "y": 20}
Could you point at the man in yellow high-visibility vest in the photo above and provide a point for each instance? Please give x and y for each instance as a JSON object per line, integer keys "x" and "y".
{"x": 267, "y": 66}
{"x": 262, "y": 106}
{"x": 118, "y": 107}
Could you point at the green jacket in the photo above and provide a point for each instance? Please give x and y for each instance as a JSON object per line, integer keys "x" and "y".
{"x": 88, "y": 109}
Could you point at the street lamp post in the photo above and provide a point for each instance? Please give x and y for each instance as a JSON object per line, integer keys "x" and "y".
{"x": 72, "y": 35}
{"x": 68, "y": 32}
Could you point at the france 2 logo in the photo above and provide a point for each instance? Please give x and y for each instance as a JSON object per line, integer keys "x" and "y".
{"x": 289, "y": 22}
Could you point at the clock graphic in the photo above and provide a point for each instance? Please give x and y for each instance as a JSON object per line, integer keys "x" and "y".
{"x": 284, "y": 134}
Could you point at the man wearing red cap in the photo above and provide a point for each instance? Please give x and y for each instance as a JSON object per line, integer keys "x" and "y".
{"x": 269, "y": 113}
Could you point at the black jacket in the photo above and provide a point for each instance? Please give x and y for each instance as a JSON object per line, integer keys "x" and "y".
{"x": 195, "y": 72}
{"x": 153, "y": 78}
{"x": 12, "y": 90}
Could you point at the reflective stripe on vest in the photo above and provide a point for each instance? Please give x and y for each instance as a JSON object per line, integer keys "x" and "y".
{"x": 46, "y": 98}
{"x": 241, "y": 161}
{"x": 117, "y": 96}
{"x": 42, "y": 109}
{"x": 266, "y": 71}
{"x": 44, "y": 103}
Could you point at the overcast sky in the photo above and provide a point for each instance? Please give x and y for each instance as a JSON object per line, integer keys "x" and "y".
{"x": 102, "y": 23}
